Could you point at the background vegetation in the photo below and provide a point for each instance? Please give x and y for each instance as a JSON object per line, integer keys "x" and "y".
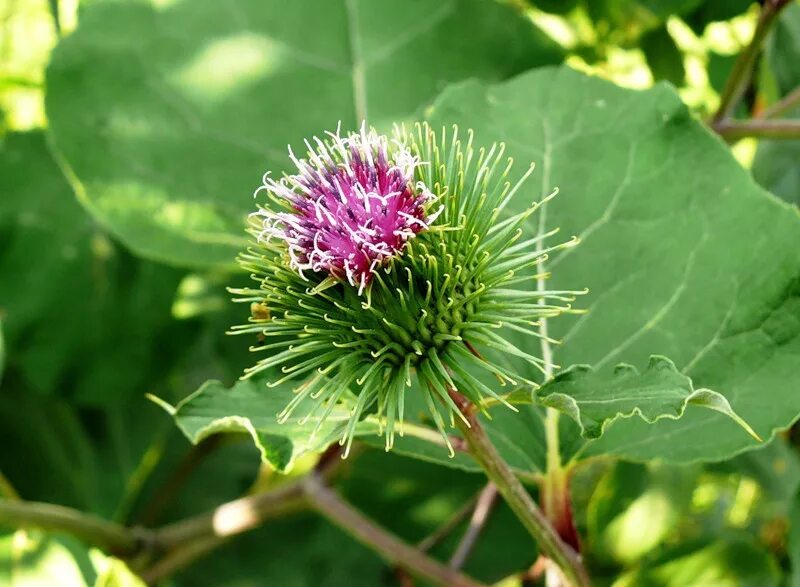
{"x": 132, "y": 136}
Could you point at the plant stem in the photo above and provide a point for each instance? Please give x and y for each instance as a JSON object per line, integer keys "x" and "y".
{"x": 442, "y": 531}
{"x": 480, "y": 515}
{"x": 767, "y": 129}
{"x": 179, "y": 559}
{"x": 111, "y": 537}
{"x": 233, "y": 517}
{"x": 742, "y": 71}
{"x": 783, "y": 105}
{"x": 189, "y": 539}
{"x": 515, "y": 494}
{"x": 330, "y": 505}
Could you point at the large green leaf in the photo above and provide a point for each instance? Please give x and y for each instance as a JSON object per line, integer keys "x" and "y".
{"x": 594, "y": 400}
{"x": 81, "y": 317}
{"x": 252, "y": 408}
{"x": 168, "y": 114}
{"x": 682, "y": 253}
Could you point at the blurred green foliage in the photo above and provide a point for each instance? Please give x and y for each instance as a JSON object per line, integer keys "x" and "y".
{"x": 132, "y": 135}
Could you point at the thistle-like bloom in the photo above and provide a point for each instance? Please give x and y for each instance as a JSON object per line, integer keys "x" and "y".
{"x": 354, "y": 205}
{"x": 361, "y": 314}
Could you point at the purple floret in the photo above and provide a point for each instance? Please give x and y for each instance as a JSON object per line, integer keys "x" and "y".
{"x": 355, "y": 205}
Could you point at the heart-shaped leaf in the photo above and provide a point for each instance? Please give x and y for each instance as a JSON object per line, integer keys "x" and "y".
{"x": 189, "y": 103}
{"x": 688, "y": 264}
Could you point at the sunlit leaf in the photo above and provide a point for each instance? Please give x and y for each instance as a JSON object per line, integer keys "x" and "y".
{"x": 731, "y": 562}
{"x": 189, "y": 103}
{"x": 634, "y": 509}
{"x": 691, "y": 265}
{"x": 36, "y": 559}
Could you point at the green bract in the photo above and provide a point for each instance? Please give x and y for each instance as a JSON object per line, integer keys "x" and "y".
{"x": 437, "y": 313}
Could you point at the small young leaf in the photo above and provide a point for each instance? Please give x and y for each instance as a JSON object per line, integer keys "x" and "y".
{"x": 594, "y": 399}
{"x": 250, "y": 407}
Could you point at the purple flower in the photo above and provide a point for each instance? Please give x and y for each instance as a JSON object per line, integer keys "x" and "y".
{"x": 353, "y": 206}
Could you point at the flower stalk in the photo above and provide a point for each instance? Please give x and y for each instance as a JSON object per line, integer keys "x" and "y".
{"x": 517, "y": 497}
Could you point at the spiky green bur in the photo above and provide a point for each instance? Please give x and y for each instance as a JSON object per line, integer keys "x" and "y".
{"x": 438, "y": 312}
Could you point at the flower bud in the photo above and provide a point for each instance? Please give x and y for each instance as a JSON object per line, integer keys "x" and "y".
{"x": 393, "y": 265}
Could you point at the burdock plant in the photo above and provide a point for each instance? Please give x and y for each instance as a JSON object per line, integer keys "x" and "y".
{"x": 385, "y": 259}
{"x": 390, "y": 266}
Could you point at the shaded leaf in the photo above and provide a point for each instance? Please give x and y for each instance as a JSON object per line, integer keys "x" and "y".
{"x": 81, "y": 317}
{"x": 634, "y": 509}
{"x": 732, "y": 562}
{"x": 663, "y": 57}
{"x": 170, "y": 168}
{"x": 715, "y": 10}
{"x": 783, "y": 49}
{"x": 555, "y": 6}
{"x": 90, "y": 459}
{"x": 518, "y": 436}
{"x": 775, "y": 163}
{"x": 252, "y": 408}
{"x": 2, "y": 351}
{"x": 775, "y": 167}
{"x": 595, "y": 400}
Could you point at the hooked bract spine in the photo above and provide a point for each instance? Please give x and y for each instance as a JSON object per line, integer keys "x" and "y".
{"x": 389, "y": 262}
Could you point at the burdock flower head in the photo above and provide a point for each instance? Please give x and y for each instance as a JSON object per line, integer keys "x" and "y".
{"x": 387, "y": 267}
{"x": 353, "y": 205}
